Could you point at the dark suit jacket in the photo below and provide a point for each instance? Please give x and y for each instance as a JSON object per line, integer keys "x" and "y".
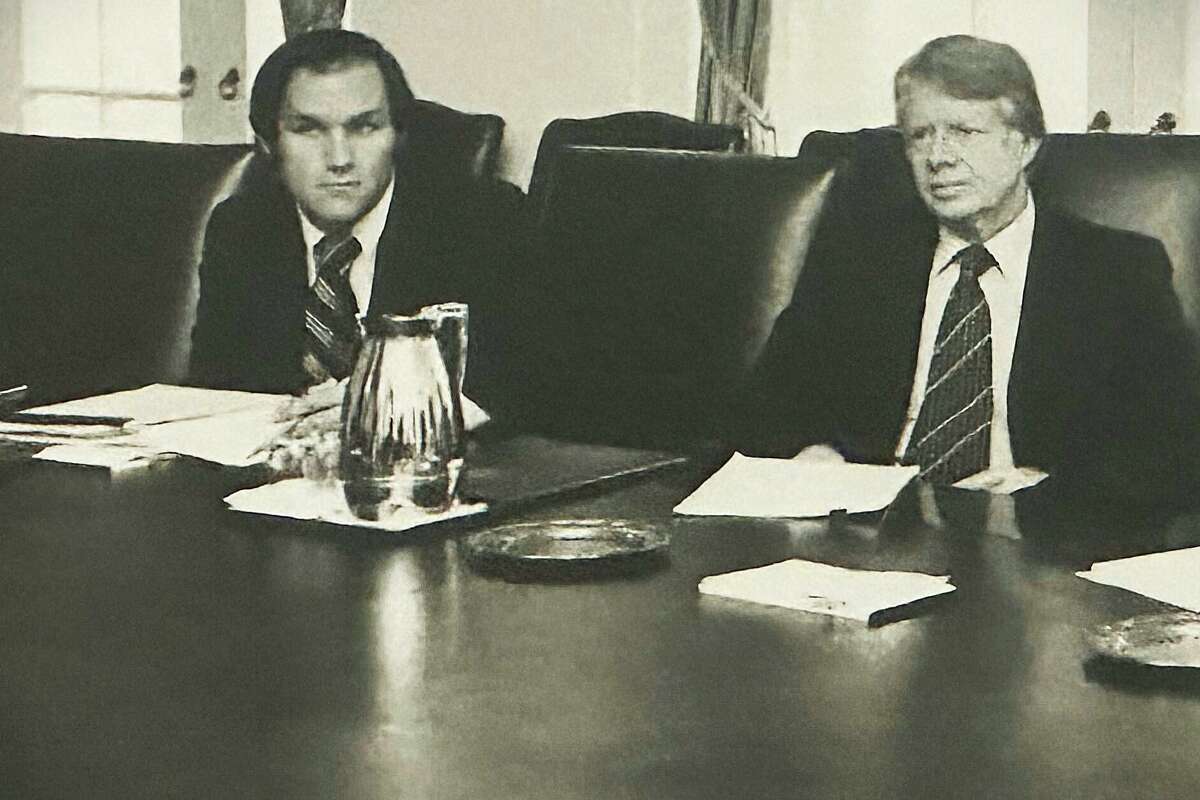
{"x": 445, "y": 240}
{"x": 1101, "y": 392}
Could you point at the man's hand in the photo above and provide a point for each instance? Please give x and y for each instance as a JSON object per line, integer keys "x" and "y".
{"x": 310, "y": 445}
{"x": 1002, "y": 481}
{"x": 819, "y": 454}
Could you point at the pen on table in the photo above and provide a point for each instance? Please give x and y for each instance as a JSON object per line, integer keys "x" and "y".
{"x": 65, "y": 419}
{"x": 14, "y": 394}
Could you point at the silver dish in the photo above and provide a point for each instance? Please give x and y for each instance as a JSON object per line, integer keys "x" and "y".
{"x": 1164, "y": 639}
{"x": 581, "y": 541}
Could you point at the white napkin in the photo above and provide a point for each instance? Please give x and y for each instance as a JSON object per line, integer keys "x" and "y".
{"x": 1172, "y": 576}
{"x": 303, "y": 498}
{"x": 781, "y": 487}
{"x": 824, "y": 589}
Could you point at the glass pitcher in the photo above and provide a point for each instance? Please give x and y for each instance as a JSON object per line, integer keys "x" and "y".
{"x": 402, "y": 419}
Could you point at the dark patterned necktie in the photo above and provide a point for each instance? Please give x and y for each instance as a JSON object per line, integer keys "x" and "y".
{"x": 952, "y": 436}
{"x": 332, "y": 333}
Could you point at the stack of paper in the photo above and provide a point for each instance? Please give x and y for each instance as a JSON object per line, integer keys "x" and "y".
{"x": 140, "y": 425}
{"x": 776, "y": 487}
{"x": 1172, "y": 577}
{"x": 157, "y": 403}
{"x": 808, "y": 586}
{"x": 136, "y": 426}
{"x": 301, "y": 498}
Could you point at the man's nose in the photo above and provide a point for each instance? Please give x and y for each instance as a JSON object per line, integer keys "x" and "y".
{"x": 941, "y": 152}
{"x": 339, "y": 155}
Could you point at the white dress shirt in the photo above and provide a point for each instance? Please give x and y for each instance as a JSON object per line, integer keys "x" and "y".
{"x": 367, "y": 230}
{"x": 1004, "y": 289}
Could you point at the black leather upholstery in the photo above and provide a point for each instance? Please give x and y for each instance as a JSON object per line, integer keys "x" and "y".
{"x": 661, "y": 273}
{"x": 456, "y": 141}
{"x": 653, "y": 129}
{"x": 101, "y": 239}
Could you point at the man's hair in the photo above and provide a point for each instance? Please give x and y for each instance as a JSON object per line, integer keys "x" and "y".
{"x": 323, "y": 51}
{"x": 976, "y": 69}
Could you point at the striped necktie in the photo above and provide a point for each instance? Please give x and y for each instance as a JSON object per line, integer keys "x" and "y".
{"x": 332, "y": 333}
{"x": 952, "y": 437}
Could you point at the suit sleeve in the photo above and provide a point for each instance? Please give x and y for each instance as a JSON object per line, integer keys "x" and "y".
{"x": 788, "y": 403}
{"x": 1148, "y": 445}
{"x": 218, "y": 314}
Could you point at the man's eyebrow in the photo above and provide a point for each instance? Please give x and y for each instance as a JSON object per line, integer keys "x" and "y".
{"x": 369, "y": 115}
{"x": 299, "y": 116}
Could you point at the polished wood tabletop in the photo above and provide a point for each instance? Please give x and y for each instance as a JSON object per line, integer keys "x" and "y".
{"x": 154, "y": 644}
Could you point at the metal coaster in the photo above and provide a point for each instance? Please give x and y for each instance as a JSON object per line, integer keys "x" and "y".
{"x": 1164, "y": 639}
{"x": 584, "y": 541}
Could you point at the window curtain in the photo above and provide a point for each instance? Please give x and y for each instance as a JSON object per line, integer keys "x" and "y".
{"x": 736, "y": 36}
{"x": 309, "y": 15}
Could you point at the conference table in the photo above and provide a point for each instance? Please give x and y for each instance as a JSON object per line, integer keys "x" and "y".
{"x": 155, "y": 644}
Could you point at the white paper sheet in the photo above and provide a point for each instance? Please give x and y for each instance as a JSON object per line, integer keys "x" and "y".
{"x": 224, "y": 427}
{"x": 779, "y": 487}
{"x": 233, "y": 439}
{"x": 824, "y": 589}
{"x": 160, "y": 402}
{"x": 1172, "y": 576}
{"x": 114, "y": 459}
{"x": 300, "y": 498}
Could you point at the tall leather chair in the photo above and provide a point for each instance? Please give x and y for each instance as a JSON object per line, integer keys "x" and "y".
{"x": 455, "y": 142}
{"x": 648, "y": 129}
{"x": 659, "y": 274}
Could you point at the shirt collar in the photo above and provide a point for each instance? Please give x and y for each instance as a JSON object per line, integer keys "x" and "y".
{"x": 367, "y": 230}
{"x": 1010, "y": 246}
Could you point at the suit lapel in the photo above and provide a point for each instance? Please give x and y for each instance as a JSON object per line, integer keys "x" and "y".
{"x": 1045, "y": 337}
{"x": 906, "y": 295}
{"x": 392, "y": 290}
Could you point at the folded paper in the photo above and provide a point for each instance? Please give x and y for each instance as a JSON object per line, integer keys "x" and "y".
{"x": 160, "y": 402}
{"x": 861, "y": 595}
{"x": 1172, "y": 576}
{"x": 777, "y": 487}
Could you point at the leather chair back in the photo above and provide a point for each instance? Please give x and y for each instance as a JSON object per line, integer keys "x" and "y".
{"x": 102, "y": 238}
{"x": 455, "y": 141}
{"x": 659, "y": 276}
{"x": 653, "y": 129}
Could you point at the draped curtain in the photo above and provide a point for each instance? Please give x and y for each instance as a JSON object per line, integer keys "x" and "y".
{"x": 733, "y": 68}
{"x": 308, "y": 15}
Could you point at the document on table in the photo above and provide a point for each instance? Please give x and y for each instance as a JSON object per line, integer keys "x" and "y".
{"x": 305, "y": 499}
{"x": 111, "y": 457}
{"x": 225, "y": 427}
{"x": 824, "y": 589}
{"x": 778, "y": 487}
{"x": 1172, "y": 576}
{"x": 234, "y": 438}
{"x": 160, "y": 402}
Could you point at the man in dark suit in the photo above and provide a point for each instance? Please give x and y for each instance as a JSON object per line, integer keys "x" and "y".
{"x": 343, "y": 220}
{"x": 973, "y": 332}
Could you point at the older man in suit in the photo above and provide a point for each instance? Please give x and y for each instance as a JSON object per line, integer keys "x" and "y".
{"x": 976, "y": 332}
{"x": 342, "y": 222}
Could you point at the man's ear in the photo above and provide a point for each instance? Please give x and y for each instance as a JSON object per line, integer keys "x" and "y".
{"x": 1032, "y": 145}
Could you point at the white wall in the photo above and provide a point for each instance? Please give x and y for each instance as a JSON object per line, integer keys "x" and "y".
{"x": 832, "y": 61}
{"x": 531, "y": 61}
